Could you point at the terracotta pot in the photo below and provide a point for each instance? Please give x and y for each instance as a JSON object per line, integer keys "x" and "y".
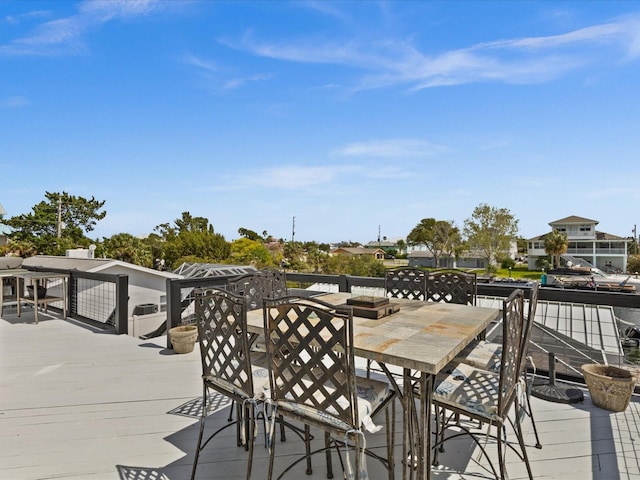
{"x": 183, "y": 338}
{"x": 610, "y": 387}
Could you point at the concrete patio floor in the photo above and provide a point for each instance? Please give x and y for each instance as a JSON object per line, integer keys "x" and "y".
{"x": 78, "y": 403}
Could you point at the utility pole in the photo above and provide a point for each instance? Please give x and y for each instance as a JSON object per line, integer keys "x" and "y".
{"x": 293, "y": 229}
{"x": 59, "y": 217}
{"x": 635, "y": 239}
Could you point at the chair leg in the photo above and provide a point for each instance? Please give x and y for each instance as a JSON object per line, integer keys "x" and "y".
{"x": 251, "y": 432}
{"x": 530, "y": 411}
{"x": 523, "y": 448}
{"x": 391, "y": 434}
{"x": 272, "y": 453}
{"x": 357, "y": 448}
{"x": 283, "y": 436}
{"x": 327, "y": 444}
{"x": 307, "y": 442}
{"x": 501, "y": 452}
{"x": 230, "y": 419}
{"x": 438, "y": 435}
{"x": 203, "y": 418}
{"x": 238, "y": 424}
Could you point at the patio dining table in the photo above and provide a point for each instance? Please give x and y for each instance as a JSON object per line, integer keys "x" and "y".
{"x": 421, "y": 338}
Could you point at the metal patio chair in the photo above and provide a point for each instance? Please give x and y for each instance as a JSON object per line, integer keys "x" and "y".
{"x": 221, "y": 318}
{"x": 487, "y": 355}
{"x": 403, "y": 282}
{"x": 313, "y": 380}
{"x": 486, "y": 397}
{"x": 254, "y": 286}
{"x": 451, "y": 285}
{"x": 406, "y": 282}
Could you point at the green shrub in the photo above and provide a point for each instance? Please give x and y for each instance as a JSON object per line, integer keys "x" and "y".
{"x": 507, "y": 263}
{"x": 633, "y": 264}
{"x": 543, "y": 263}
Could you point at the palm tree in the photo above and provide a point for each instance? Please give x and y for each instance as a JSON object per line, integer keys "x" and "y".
{"x": 555, "y": 244}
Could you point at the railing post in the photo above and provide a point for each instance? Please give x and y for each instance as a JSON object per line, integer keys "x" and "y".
{"x": 173, "y": 306}
{"x": 72, "y": 294}
{"x": 343, "y": 283}
{"x": 122, "y": 305}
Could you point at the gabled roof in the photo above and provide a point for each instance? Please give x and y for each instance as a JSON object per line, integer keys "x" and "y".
{"x": 88, "y": 264}
{"x": 358, "y": 250}
{"x": 573, "y": 219}
{"x": 200, "y": 270}
{"x": 389, "y": 242}
{"x": 10, "y": 263}
{"x": 427, "y": 254}
{"x": 599, "y": 236}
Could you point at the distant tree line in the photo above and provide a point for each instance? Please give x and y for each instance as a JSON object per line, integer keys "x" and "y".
{"x": 62, "y": 221}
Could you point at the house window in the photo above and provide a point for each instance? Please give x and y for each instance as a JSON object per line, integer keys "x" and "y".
{"x": 585, "y": 228}
{"x": 561, "y": 229}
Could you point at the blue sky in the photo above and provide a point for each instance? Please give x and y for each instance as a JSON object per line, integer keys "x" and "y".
{"x": 352, "y": 117}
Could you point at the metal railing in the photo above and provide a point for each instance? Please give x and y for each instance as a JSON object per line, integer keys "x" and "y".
{"x": 98, "y": 299}
{"x": 180, "y": 296}
{"x": 101, "y": 300}
{"x": 346, "y": 282}
{"x": 569, "y": 354}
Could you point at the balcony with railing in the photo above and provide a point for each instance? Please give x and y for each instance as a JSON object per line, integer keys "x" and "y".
{"x": 80, "y": 403}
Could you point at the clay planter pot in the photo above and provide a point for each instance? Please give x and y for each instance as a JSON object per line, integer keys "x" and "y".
{"x": 183, "y": 338}
{"x": 610, "y": 387}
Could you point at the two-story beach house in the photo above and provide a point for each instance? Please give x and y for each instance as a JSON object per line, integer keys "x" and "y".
{"x": 603, "y": 250}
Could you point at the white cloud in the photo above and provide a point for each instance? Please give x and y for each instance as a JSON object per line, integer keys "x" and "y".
{"x": 200, "y": 63}
{"x": 622, "y": 192}
{"x": 17, "y": 19}
{"x": 523, "y": 60}
{"x": 391, "y": 148}
{"x": 105, "y": 10}
{"x": 65, "y": 35}
{"x": 13, "y": 102}
{"x": 240, "y": 82}
{"x": 292, "y": 177}
{"x": 296, "y": 177}
{"x": 322, "y": 6}
{"x": 624, "y": 32}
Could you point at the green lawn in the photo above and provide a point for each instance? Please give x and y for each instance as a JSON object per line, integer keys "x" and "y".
{"x": 519, "y": 272}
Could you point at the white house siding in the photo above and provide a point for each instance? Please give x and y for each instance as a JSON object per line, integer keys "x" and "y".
{"x": 603, "y": 250}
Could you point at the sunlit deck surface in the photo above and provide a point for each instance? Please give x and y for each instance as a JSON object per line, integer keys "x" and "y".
{"x": 76, "y": 403}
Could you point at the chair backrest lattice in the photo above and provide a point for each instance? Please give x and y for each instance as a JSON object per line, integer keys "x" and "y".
{"x": 533, "y": 300}
{"x": 279, "y": 281}
{"x": 406, "y": 282}
{"x": 528, "y": 324}
{"x": 512, "y": 344}
{"x": 452, "y": 286}
{"x": 256, "y": 286}
{"x": 221, "y": 318}
{"x": 309, "y": 345}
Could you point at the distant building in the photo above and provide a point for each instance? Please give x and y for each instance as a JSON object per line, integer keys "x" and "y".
{"x": 420, "y": 256}
{"x": 388, "y": 245}
{"x": 603, "y": 250}
{"x": 377, "y": 253}
{"x": 424, "y": 258}
{"x": 146, "y": 286}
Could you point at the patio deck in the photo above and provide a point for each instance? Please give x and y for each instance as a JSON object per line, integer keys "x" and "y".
{"x": 76, "y": 403}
